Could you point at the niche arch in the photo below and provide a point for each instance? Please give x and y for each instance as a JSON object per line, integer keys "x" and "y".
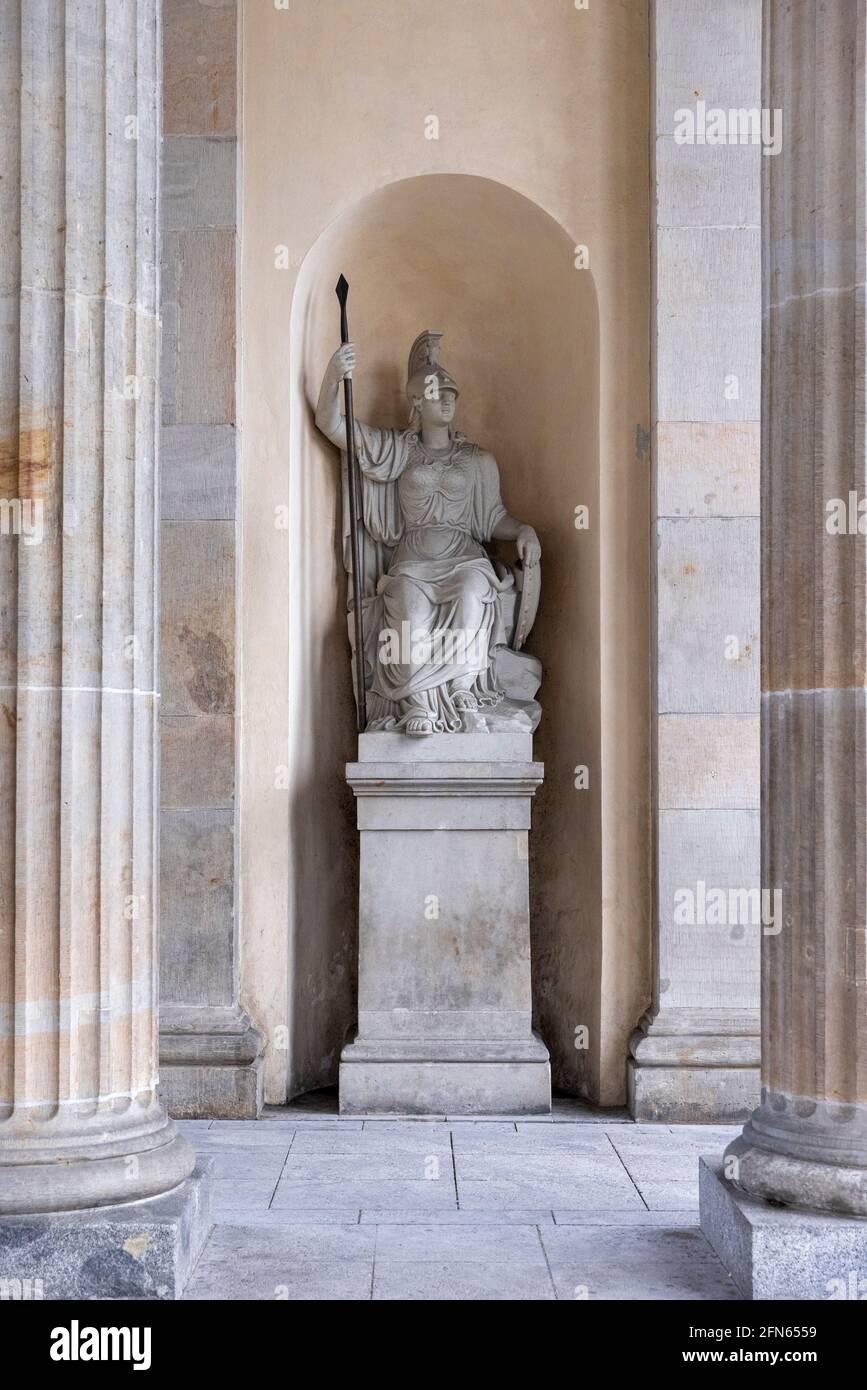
{"x": 496, "y": 273}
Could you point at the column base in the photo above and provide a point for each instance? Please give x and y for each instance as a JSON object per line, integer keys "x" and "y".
{"x": 695, "y": 1066}
{"x": 799, "y": 1152}
{"x": 211, "y": 1064}
{"x": 71, "y": 1171}
{"x": 141, "y": 1250}
{"x": 445, "y": 1078}
{"x": 775, "y": 1252}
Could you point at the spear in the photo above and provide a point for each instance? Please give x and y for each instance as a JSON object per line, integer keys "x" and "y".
{"x": 355, "y": 550}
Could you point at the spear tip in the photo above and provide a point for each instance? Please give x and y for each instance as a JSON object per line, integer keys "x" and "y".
{"x": 342, "y": 290}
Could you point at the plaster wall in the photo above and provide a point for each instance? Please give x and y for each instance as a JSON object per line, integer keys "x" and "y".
{"x": 544, "y": 112}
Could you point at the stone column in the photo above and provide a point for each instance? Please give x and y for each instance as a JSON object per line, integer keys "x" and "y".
{"x": 81, "y": 1123}
{"x": 806, "y": 1144}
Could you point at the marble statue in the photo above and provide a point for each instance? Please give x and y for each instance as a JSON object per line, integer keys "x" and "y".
{"x": 443, "y": 622}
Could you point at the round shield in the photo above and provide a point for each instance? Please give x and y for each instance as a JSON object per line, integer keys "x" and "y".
{"x": 530, "y": 584}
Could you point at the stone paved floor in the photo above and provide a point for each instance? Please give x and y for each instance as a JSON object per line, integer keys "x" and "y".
{"x": 584, "y": 1205}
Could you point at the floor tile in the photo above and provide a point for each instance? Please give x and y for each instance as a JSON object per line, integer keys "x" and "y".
{"x": 405, "y": 1122}
{"x": 584, "y": 1193}
{"x": 661, "y": 1167}
{"x": 313, "y": 1241}
{"x": 412, "y": 1165}
{"x": 707, "y": 1137}
{"x": 237, "y": 1195}
{"x": 450, "y": 1216}
{"x": 531, "y": 1139}
{"x": 246, "y": 1135}
{"x": 488, "y": 1244}
{"x": 288, "y": 1216}
{"x": 499, "y": 1119}
{"x": 279, "y": 1280}
{"x": 258, "y": 1165}
{"x": 565, "y": 1217}
{"x": 378, "y": 1194}
{"x": 309, "y": 1206}
{"x": 506, "y": 1282}
{"x": 372, "y": 1142}
{"x": 635, "y": 1264}
{"x": 670, "y": 1196}
{"x": 557, "y": 1163}
{"x": 482, "y": 1129}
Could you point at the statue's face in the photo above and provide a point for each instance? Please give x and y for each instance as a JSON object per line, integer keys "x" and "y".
{"x": 440, "y": 410}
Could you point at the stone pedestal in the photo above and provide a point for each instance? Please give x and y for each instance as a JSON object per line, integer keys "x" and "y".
{"x": 444, "y": 1004}
{"x": 782, "y": 1253}
{"x": 137, "y": 1250}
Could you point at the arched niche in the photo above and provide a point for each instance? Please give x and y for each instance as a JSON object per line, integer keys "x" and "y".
{"x": 497, "y": 275}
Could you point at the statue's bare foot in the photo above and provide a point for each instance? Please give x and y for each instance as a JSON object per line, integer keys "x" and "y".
{"x": 465, "y": 701}
{"x": 418, "y": 728}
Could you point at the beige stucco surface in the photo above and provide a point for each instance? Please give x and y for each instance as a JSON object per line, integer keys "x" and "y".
{"x": 545, "y": 108}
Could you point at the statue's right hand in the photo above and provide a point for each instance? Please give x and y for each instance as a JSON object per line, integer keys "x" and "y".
{"x": 343, "y": 362}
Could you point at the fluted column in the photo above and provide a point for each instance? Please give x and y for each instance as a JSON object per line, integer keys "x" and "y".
{"x": 806, "y": 1145}
{"x": 81, "y": 1124}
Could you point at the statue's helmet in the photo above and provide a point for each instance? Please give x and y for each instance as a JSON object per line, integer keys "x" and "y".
{"x": 424, "y": 369}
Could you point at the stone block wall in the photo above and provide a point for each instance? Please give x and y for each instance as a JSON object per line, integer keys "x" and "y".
{"x": 696, "y": 1055}
{"x": 201, "y": 1021}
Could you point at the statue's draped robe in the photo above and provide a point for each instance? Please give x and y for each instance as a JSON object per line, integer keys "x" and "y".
{"x": 427, "y": 576}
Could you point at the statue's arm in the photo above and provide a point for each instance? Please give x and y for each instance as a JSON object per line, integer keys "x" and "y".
{"x": 509, "y": 528}
{"x": 381, "y": 454}
{"x": 329, "y": 416}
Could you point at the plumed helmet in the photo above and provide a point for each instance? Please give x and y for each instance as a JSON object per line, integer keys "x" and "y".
{"x": 424, "y": 363}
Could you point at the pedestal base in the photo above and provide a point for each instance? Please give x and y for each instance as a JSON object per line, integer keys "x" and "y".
{"x": 444, "y": 1003}
{"x": 781, "y": 1252}
{"x": 142, "y": 1250}
{"x": 692, "y": 1095}
{"x": 445, "y": 1078}
{"x": 211, "y": 1065}
{"x": 695, "y": 1066}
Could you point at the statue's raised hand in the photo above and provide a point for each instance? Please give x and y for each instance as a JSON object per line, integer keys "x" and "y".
{"x": 343, "y": 362}
{"x": 328, "y": 417}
